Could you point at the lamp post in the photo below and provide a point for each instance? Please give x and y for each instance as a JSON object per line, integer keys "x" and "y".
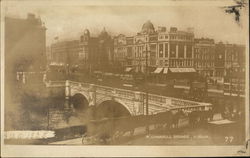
{"x": 146, "y": 84}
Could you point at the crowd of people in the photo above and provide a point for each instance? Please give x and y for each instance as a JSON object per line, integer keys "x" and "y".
{"x": 232, "y": 114}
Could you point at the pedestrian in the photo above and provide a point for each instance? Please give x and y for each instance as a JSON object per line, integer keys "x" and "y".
{"x": 226, "y": 113}
{"x": 210, "y": 114}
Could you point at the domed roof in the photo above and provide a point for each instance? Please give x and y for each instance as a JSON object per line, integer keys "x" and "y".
{"x": 86, "y": 32}
{"x": 104, "y": 33}
{"x": 148, "y": 27}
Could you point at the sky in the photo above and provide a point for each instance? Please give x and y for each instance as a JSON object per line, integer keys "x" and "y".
{"x": 68, "y": 20}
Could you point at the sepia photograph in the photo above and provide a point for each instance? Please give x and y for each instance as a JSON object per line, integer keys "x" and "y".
{"x": 80, "y": 75}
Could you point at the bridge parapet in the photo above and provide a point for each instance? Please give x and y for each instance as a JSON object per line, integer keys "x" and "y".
{"x": 157, "y": 98}
{"x": 55, "y": 84}
{"x": 127, "y": 94}
{"x": 134, "y": 100}
{"x": 79, "y": 84}
{"x": 181, "y": 102}
{"x": 104, "y": 90}
{"x": 139, "y": 96}
{"x": 175, "y": 103}
{"x": 121, "y": 93}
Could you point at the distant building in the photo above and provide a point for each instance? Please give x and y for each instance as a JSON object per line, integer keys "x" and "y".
{"x": 48, "y": 54}
{"x": 228, "y": 56}
{"x": 204, "y": 56}
{"x": 106, "y": 51}
{"x": 65, "y": 52}
{"x": 24, "y": 50}
{"x": 25, "y": 44}
{"x": 166, "y": 49}
{"x": 230, "y": 67}
{"x": 87, "y": 52}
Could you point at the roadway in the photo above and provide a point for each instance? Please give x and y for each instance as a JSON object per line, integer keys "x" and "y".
{"x": 202, "y": 134}
{"x": 139, "y": 134}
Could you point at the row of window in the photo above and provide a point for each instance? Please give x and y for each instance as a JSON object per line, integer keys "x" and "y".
{"x": 155, "y": 38}
{"x": 204, "y": 64}
{"x": 176, "y": 63}
{"x": 234, "y": 80}
{"x": 164, "y": 51}
{"x": 175, "y": 37}
{"x": 239, "y": 87}
{"x": 204, "y": 50}
{"x": 174, "y": 50}
{"x": 204, "y": 56}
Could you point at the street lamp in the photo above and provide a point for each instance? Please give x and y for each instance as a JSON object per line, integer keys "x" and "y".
{"x": 146, "y": 81}
{"x": 67, "y": 71}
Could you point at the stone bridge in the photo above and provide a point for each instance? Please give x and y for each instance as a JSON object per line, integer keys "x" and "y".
{"x": 85, "y": 94}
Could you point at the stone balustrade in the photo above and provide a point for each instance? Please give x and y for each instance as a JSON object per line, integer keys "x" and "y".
{"x": 136, "y": 99}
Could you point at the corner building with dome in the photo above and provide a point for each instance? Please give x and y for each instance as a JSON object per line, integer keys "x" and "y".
{"x": 168, "y": 50}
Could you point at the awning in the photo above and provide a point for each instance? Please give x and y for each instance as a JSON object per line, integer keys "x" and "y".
{"x": 236, "y": 65}
{"x": 128, "y": 69}
{"x": 178, "y": 70}
{"x": 97, "y": 72}
{"x": 56, "y": 64}
{"x": 158, "y": 70}
{"x": 165, "y": 71}
{"x": 108, "y": 74}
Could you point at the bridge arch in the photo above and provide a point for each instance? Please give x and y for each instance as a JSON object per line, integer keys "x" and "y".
{"x": 111, "y": 108}
{"x": 74, "y": 91}
{"x": 79, "y": 101}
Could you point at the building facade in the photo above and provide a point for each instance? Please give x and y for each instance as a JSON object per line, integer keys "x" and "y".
{"x": 105, "y": 51}
{"x": 204, "y": 56}
{"x": 25, "y": 44}
{"x": 234, "y": 69}
{"x": 24, "y": 50}
{"x": 165, "y": 49}
{"x": 87, "y": 52}
{"x": 65, "y": 52}
{"x": 228, "y": 57}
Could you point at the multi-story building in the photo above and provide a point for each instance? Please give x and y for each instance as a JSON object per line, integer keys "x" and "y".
{"x": 228, "y": 56}
{"x": 204, "y": 55}
{"x": 88, "y": 50}
{"x": 166, "y": 49}
{"x": 65, "y": 52}
{"x": 48, "y": 54}
{"x": 120, "y": 50}
{"x": 105, "y": 51}
{"x": 25, "y": 44}
{"x": 89, "y": 53}
{"x": 234, "y": 69}
{"x": 24, "y": 50}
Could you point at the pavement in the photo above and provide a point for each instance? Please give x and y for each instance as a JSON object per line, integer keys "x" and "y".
{"x": 209, "y": 89}
{"x": 159, "y": 136}
{"x": 139, "y": 132}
